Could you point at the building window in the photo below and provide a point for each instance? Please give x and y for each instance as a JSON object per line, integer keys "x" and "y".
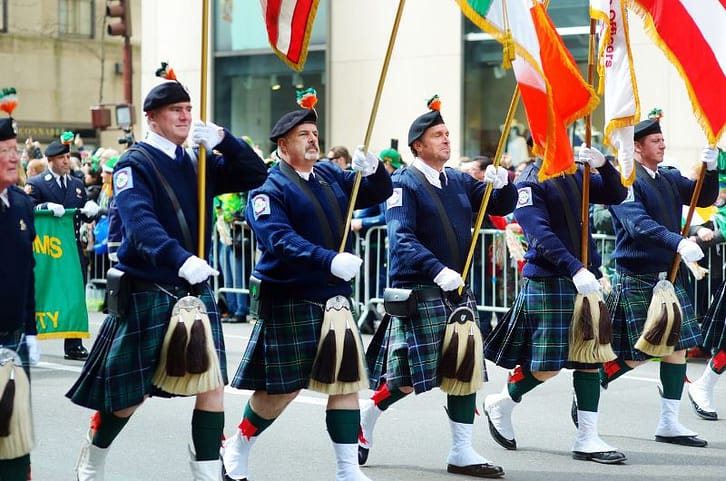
{"x": 75, "y": 18}
{"x": 3, "y": 15}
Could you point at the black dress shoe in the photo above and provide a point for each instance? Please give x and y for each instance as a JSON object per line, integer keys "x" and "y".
{"x": 477, "y": 470}
{"x": 603, "y": 457}
{"x": 692, "y": 441}
{"x": 78, "y": 353}
{"x": 362, "y": 455}
{"x": 510, "y": 444}
{"x": 702, "y": 413}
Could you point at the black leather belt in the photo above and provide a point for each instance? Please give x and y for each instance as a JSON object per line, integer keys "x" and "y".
{"x": 427, "y": 294}
{"x": 141, "y": 285}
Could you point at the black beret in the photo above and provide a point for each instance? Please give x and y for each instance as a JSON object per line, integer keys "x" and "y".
{"x": 646, "y": 127}
{"x": 7, "y": 129}
{"x": 290, "y": 120}
{"x": 423, "y": 122}
{"x": 56, "y": 148}
{"x": 165, "y": 94}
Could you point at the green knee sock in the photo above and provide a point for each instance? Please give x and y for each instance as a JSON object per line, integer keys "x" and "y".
{"x": 383, "y": 397}
{"x": 520, "y": 382}
{"x": 612, "y": 370}
{"x": 253, "y": 424}
{"x": 461, "y": 409}
{"x": 672, "y": 377}
{"x": 105, "y": 427}
{"x": 207, "y": 431}
{"x": 15, "y": 469}
{"x": 587, "y": 390}
{"x": 343, "y": 425}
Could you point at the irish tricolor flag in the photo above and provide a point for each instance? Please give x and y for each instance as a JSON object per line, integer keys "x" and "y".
{"x": 289, "y": 24}
{"x": 692, "y": 34}
{"x": 553, "y": 90}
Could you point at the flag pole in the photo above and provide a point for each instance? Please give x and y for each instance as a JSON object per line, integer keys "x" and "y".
{"x": 202, "y": 161}
{"x": 585, "y": 211}
{"x": 371, "y": 121}
{"x": 689, "y": 218}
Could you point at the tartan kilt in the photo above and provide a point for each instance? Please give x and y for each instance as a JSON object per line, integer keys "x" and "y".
{"x": 535, "y": 331}
{"x": 15, "y": 340}
{"x": 280, "y": 353}
{"x": 713, "y": 323}
{"x": 125, "y": 355}
{"x": 628, "y": 305}
{"x": 409, "y": 353}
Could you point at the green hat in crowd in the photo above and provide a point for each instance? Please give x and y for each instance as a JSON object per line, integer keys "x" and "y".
{"x": 392, "y": 156}
{"x": 109, "y": 165}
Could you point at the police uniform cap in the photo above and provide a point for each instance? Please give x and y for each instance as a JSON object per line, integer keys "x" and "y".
{"x": 7, "y": 130}
{"x": 164, "y": 94}
{"x": 291, "y": 120}
{"x": 392, "y": 156}
{"x": 423, "y": 122}
{"x": 56, "y": 148}
{"x": 646, "y": 127}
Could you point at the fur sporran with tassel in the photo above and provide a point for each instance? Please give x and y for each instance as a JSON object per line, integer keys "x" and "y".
{"x": 590, "y": 330}
{"x": 462, "y": 354}
{"x": 663, "y": 323}
{"x": 339, "y": 366}
{"x": 16, "y": 424}
{"x": 188, "y": 363}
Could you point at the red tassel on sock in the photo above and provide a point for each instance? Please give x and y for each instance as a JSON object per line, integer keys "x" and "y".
{"x": 516, "y": 375}
{"x": 247, "y": 429}
{"x": 718, "y": 362}
{"x": 381, "y": 394}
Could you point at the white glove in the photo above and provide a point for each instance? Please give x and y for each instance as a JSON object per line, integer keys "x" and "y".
{"x": 364, "y": 162}
{"x": 33, "y": 350}
{"x": 586, "y": 282}
{"x": 689, "y": 251}
{"x": 196, "y": 270}
{"x": 90, "y": 209}
{"x": 209, "y": 135}
{"x": 448, "y": 279}
{"x": 592, "y": 156}
{"x": 498, "y": 177}
{"x": 57, "y": 209}
{"x": 709, "y": 157}
{"x": 345, "y": 265}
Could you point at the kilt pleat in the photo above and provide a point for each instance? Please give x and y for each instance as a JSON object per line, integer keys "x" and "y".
{"x": 125, "y": 355}
{"x": 713, "y": 323}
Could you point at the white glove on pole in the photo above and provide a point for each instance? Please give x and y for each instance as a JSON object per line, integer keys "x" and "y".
{"x": 196, "y": 270}
{"x": 592, "y": 156}
{"x": 33, "y": 350}
{"x": 709, "y": 157}
{"x": 498, "y": 177}
{"x": 90, "y": 209}
{"x": 586, "y": 282}
{"x": 345, "y": 265}
{"x": 689, "y": 251}
{"x": 364, "y": 162}
{"x": 57, "y": 209}
{"x": 448, "y": 279}
{"x": 209, "y": 135}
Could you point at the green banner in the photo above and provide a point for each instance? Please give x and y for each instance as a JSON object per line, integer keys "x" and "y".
{"x": 60, "y": 301}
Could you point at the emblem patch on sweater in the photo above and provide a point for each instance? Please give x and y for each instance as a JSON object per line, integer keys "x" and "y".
{"x": 122, "y": 180}
{"x": 261, "y": 205}
{"x": 524, "y": 197}
{"x": 396, "y": 199}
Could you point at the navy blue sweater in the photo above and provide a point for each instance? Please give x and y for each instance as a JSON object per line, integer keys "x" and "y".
{"x": 417, "y": 242}
{"x": 648, "y": 223}
{"x": 553, "y": 247}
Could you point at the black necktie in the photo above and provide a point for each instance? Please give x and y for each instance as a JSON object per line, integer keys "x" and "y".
{"x": 63, "y": 183}
{"x": 442, "y": 179}
{"x": 179, "y": 154}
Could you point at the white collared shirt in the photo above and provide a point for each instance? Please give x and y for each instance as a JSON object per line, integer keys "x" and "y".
{"x": 431, "y": 174}
{"x": 161, "y": 143}
{"x": 651, "y": 173}
{"x": 4, "y": 197}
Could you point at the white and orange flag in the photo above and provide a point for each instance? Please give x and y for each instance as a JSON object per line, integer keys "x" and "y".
{"x": 289, "y": 25}
{"x": 554, "y": 93}
{"x": 692, "y": 34}
{"x": 617, "y": 82}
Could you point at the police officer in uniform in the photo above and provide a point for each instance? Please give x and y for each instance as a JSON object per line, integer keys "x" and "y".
{"x": 298, "y": 217}
{"x": 423, "y": 259}
{"x": 647, "y": 237}
{"x": 157, "y": 256}
{"x": 56, "y": 190}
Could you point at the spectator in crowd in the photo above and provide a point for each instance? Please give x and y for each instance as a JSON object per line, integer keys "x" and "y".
{"x": 340, "y": 156}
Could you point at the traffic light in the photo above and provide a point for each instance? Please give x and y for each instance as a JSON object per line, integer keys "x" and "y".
{"x": 119, "y": 9}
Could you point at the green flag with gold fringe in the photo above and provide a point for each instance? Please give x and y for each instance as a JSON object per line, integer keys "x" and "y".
{"x": 60, "y": 301}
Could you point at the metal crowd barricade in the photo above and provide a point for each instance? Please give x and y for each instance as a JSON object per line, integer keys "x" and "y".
{"x": 238, "y": 281}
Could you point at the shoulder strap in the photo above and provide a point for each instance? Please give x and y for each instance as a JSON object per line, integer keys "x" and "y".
{"x": 573, "y": 226}
{"x": 172, "y": 196}
{"x": 450, "y": 237}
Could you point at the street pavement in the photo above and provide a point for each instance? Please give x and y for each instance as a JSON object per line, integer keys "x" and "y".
{"x": 411, "y": 440}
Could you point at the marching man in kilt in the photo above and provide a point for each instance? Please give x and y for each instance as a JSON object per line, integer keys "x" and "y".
{"x": 159, "y": 268}
{"x": 647, "y": 230}
{"x": 305, "y": 335}
{"x": 429, "y": 221}
{"x": 533, "y": 338}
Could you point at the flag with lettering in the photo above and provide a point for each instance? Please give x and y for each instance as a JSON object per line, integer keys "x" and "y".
{"x": 60, "y": 299}
{"x": 553, "y": 91}
{"x": 692, "y": 35}
{"x": 289, "y": 26}
{"x": 617, "y": 82}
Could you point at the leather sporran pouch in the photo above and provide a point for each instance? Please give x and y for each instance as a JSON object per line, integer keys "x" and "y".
{"x": 117, "y": 289}
{"x": 255, "y": 288}
{"x": 399, "y": 302}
